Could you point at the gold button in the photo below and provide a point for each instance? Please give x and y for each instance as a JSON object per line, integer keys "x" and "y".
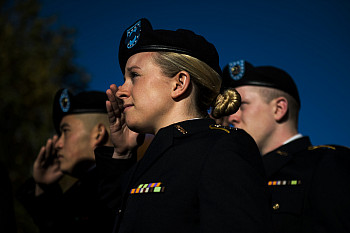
{"x": 276, "y": 206}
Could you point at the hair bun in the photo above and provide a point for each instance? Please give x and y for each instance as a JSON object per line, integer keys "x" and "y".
{"x": 226, "y": 103}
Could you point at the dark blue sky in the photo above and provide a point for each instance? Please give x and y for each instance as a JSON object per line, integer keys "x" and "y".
{"x": 310, "y": 39}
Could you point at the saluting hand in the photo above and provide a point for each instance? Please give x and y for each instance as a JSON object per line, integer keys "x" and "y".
{"x": 124, "y": 140}
{"x": 46, "y": 169}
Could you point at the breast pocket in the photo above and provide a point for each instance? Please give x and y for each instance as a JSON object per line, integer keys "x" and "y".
{"x": 288, "y": 201}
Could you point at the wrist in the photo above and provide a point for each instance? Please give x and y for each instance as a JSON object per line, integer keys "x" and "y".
{"x": 128, "y": 154}
{"x": 38, "y": 190}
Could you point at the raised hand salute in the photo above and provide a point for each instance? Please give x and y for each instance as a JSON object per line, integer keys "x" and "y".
{"x": 124, "y": 140}
{"x": 46, "y": 168}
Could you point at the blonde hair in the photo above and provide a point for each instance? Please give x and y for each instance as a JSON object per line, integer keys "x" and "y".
{"x": 205, "y": 79}
{"x": 226, "y": 103}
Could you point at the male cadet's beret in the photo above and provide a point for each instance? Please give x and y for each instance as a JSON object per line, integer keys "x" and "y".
{"x": 241, "y": 73}
{"x": 140, "y": 37}
{"x": 65, "y": 103}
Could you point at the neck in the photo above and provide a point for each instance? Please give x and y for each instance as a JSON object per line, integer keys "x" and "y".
{"x": 277, "y": 139}
{"x": 177, "y": 114}
{"x": 81, "y": 168}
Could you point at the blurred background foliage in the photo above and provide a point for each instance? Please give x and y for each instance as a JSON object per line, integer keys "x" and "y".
{"x": 36, "y": 59}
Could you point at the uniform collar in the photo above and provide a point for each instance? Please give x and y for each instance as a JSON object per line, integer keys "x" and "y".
{"x": 189, "y": 127}
{"x": 276, "y": 159}
{"x": 164, "y": 139}
{"x": 293, "y": 138}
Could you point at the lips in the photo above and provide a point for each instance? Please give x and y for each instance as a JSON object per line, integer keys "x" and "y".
{"x": 127, "y": 106}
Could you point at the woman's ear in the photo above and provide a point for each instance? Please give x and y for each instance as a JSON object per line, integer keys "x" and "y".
{"x": 181, "y": 84}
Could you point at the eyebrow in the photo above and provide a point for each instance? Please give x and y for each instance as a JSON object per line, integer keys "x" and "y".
{"x": 132, "y": 67}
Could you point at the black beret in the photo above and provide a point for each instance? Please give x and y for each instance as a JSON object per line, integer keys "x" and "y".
{"x": 140, "y": 37}
{"x": 241, "y": 73}
{"x": 65, "y": 103}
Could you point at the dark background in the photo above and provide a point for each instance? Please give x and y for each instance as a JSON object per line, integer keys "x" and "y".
{"x": 307, "y": 38}
{"x": 49, "y": 44}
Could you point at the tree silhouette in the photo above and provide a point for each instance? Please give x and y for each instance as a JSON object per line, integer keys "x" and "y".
{"x": 36, "y": 59}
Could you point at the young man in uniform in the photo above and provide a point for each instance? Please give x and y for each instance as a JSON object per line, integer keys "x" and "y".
{"x": 309, "y": 184}
{"x": 82, "y": 125}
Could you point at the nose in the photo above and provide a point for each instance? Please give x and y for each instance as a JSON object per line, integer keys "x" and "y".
{"x": 234, "y": 119}
{"x": 59, "y": 143}
{"x": 123, "y": 91}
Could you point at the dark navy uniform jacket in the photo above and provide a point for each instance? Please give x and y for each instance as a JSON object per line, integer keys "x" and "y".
{"x": 310, "y": 187}
{"x": 76, "y": 210}
{"x": 194, "y": 177}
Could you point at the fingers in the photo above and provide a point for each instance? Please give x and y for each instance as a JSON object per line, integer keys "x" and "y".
{"x": 110, "y": 113}
{"x": 54, "y": 139}
{"x": 114, "y": 107}
{"x": 47, "y": 153}
{"x": 49, "y": 148}
{"x": 111, "y": 106}
{"x": 119, "y": 102}
{"x": 41, "y": 156}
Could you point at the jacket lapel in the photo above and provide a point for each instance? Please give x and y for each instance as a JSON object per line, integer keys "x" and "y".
{"x": 161, "y": 142}
{"x": 164, "y": 140}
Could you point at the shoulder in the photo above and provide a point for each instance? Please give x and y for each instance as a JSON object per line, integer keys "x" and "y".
{"x": 236, "y": 144}
{"x": 330, "y": 147}
{"x": 330, "y": 150}
{"x": 332, "y": 157}
{"x": 228, "y": 132}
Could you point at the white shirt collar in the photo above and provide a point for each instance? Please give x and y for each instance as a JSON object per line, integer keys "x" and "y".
{"x": 293, "y": 138}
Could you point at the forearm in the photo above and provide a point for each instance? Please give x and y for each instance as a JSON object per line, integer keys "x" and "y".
{"x": 110, "y": 173}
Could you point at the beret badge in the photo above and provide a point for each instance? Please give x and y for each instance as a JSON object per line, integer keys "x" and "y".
{"x": 64, "y": 101}
{"x": 133, "y": 35}
{"x": 236, "y": 69}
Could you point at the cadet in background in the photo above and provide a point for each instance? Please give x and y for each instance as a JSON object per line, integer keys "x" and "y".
{"x": 310, "y": 185}
{"x": 82, "y": 125}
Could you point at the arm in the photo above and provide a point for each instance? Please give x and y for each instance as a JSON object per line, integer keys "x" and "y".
{"x": 233, "y": 193}
{"x": 113, "y": 162}
{"x": 329, "y": 192}
{"x": 41, "y": 195}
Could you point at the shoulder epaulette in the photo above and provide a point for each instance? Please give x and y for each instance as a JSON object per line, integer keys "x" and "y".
{"x": 227, "y": 129}
{"x": 322, "y": 146}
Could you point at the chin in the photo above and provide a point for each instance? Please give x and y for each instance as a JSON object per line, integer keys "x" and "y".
{"x": 138, "y": 128}
{"x": 65, "y": 170}
{"x": 133, "y": 125}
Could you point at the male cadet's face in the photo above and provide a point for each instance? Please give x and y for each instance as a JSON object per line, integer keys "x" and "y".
{"x": 74, "y": 144}
{"x": 255, "y": 116}
{"x": 145, "y": 94}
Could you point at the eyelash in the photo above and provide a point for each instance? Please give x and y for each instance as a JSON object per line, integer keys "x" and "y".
{"x": 134, "y": 74}
{"x": 64, "y": 130}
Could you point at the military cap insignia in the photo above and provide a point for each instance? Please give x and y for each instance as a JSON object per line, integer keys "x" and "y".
{"x": 64, "y": 100}
{"x": 236, "y": 69}
{"x": 148, "y": 188}
{"x": 133, "y": 35}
